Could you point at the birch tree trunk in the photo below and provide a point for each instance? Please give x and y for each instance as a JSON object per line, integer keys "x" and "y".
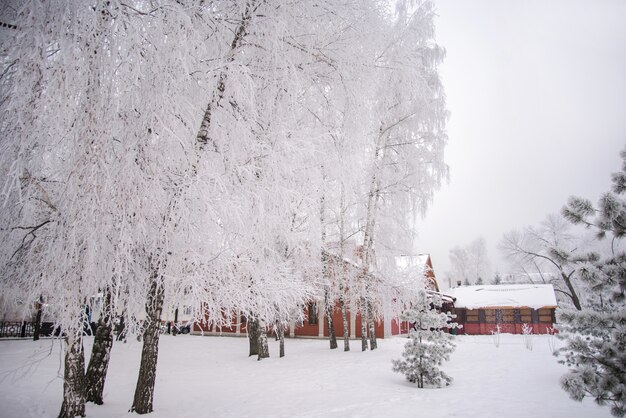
{"x": 330, "y": 321}
{"x": 363, "y": 324}
{"x": 144, "y": 392}
{"x": 100, "y": 354}
{"x": 253, "y": 336}
{"x": 344, "y": 318}
{"x": 342, "y": 268}
{"x": 372, "y": 325}
{"x": 281, "y": 338}
{"x": 367, "y": 313}
{"x": 74, "y": 377}
{"x": 264, "y": 350}
{"x": 328, "y": 303}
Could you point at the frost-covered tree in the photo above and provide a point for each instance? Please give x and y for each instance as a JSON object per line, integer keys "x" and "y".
{"x": 477, "y": 250}
{"x": 429, "y": 342}
{"x": 460, "y": 264}
{"x": 595, "y": 336}
{"x": 549, "y": 247}
{"x": 152, "y": 150}
{"x": 406, "y": 141}
{"x": 470, "y": 262}
{"x": 90, "y": 139}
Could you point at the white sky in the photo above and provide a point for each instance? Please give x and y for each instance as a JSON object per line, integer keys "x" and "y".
{"x": 537, "y": 95}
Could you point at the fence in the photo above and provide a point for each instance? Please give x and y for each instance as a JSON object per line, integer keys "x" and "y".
{"x": 16, "y": 329}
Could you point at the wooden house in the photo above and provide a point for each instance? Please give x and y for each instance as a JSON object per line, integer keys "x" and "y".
{"x": 504, "y": 308}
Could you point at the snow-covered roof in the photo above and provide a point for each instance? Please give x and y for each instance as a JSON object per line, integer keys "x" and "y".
{"x": 444, "y": 298}
{"x": 511, "y": 295}
{"x": 413, "y": 261}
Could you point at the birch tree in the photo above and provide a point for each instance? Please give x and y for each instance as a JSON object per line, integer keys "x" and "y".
{"x": 407, "y": 139}
{"x": 87, "y": 176}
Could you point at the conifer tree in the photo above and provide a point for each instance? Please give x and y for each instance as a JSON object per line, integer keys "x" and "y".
{"x": 497, "y": 279}
{"x": 595, "y": 336}
{"x": 429, "y": 344}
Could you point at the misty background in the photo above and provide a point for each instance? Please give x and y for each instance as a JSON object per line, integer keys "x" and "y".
{"x": 537, "y": 96}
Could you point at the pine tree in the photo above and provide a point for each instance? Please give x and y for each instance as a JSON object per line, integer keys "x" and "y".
{"x": 429, "y": 345}
{"x": 479, "y": 281}
{"x": 595, "y": 337}
{"x": 497, "y": 279}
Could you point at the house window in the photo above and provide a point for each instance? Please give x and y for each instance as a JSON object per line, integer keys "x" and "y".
{"x": 490, "y": 316}
{"x": 472, "y": 316}
{"x": 545, "y": 316}
{"x": 526, "y": 316}
{"x": 312, "y": 308}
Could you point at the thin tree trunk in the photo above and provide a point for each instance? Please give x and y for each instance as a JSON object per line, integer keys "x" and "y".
{"x": 281, "y": 338}
{"x": 328, "y": 309}
{"x": 121, "y": 332}
{"x": 363, "y": 324}
{"x": 144, "y": 392}
{"x": 100, "y": 354}
{"x": 37, "y": 322}
{"x": 330, "y": 321}
{"x": 372, "y": 325}
{"x": 175, "y": 330}
{"x": 37, "y": 329}
{"x": 264, "y": 350}
{"x": 74, "y": 377}
{"x": 368, "y": 240}
{"x": 253, "y": 336}
{"x": 346, "y": 330}
{"x": 203, "y": 137}
{"x": 342, "y": 268}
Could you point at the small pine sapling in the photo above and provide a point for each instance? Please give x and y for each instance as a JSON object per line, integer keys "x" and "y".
{"x": 429, "y": 342}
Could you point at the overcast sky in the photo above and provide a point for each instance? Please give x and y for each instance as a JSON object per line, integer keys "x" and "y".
{"x": 537, "y": 95}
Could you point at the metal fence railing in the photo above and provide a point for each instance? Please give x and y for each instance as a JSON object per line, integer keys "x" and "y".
{"x": 16, "y": 329}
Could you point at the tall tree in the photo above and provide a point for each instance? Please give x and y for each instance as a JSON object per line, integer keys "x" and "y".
{"x": 595, "y": 336}
{"x": 407, "y": 138}
{"x": 550, "y": 246}
{"x": 84, "y": 185}
{"x": 469, "y": 263}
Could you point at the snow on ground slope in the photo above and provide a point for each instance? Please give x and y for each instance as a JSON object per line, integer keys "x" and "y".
{"x": 213, "y": 377}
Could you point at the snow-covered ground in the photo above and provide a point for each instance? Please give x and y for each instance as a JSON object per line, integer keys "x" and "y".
{"x": 213, "y": 377}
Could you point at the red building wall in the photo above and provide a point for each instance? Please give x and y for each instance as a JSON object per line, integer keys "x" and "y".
{"x": 307, "y": 329}
{"x": 506, "y": 320}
